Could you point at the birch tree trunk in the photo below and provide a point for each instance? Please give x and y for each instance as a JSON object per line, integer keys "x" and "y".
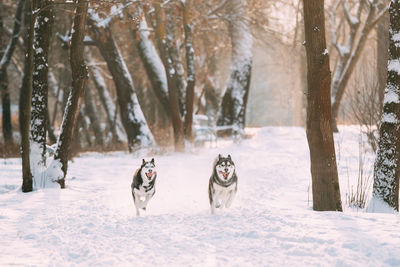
{"x": 39, "y": 115}
{"x": 4, "y": 62}
{"x": 325, "y": 183}
{"x": 387, "y": 163}
{"x": 234, "y": 101}
{"x": 79, "y": 77}
{"x": 25, "y": 100}
{"x": 132, "y": 117}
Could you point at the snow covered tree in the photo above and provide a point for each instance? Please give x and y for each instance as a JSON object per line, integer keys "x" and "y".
{"x": 349, "y": 50}
{"x": 5, "y": 59}
{"x": 165, "y": 44}
{"x": 387, "y": 162}
{"x": 152, "y": 62}
{"x": 132, "y": 117}
{"x": 25, "y": 99}
{"x": 39, "y": 115}
{"x": 114, "y": 122}
{"x": 325, "y": 183}
{"x": 79, "y": 77}
{"x": 233, "y": 108}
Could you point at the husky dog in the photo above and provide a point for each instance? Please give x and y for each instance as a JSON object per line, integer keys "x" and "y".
{"x": 223, "y": 183}
{"x": 143, "y": 184}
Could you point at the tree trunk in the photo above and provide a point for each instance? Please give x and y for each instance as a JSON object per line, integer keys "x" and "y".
{"x": 110, "y": 108}
{"x": 233, "y": 108}
{"x": 382, "y": 54}
{"x": 348, "y": 57}
{"x": 79, "y": 77}
{"x": 25, "y": 100}
{"x": 387, "y": 162}
{"x": 91, "y": 112}
{"x": 39, "y": 115}
{"x": 325, "y": 184}
{"x": 191, "y": 77}
{"x": 132, "y": 116}
{"x": 165, "y": 47}
{"x": 152, "y": 63}
{"x": 4, "y": 62}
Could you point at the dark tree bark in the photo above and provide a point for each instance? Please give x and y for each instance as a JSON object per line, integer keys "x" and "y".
{"x": 25, "y": 100}
{"x": 39, "y": 116}
{"x": 132, "y": 116}
{"x": 79, "y": 77}
{"x": 325, "y": 183}
{"x": 191, "y": 76}
{"x": 233, "y": 108}
{"x": 4, "y": 62}
{"x": 387, "y": 162}
{"x": 165, "y": 44}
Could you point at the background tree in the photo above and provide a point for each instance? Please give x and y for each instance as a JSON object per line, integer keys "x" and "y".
{"x": 233, "y": 107}
{"x": 4, "y": 62}
{"x": 387, "y": 162}
{"x": 79, "y": 77}
{"x": 352, "y": 45}
{"x": 25, "y": 100}
{"x": 325, "y": 183}
{"x": 39, "y": 114}
{"x": 132, "y": 116}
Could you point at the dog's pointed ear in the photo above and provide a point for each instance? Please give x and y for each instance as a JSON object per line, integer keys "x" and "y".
{"x": 152, "y": 161}
{"x": 229, "y": 157}
{"x": 219, "y": 156}
{"x": 143, "y": 161}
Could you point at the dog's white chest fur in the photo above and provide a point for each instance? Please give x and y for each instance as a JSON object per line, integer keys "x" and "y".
{"x": 142, "y": 191}
{"x": 223, "y": 193}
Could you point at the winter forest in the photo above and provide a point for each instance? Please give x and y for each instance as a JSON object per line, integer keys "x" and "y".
{"x": 199, "y": 133}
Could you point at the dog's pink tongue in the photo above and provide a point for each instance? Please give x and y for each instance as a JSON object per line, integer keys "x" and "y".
{"x": 225, "y": 174}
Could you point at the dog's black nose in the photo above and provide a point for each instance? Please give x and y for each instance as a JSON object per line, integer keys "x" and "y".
{"x": 226, "y": 169}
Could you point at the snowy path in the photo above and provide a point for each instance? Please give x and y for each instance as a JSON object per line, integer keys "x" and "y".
{"x": 271, "y": 223}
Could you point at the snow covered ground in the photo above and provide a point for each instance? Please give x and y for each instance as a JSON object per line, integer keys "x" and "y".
{"x": 270, "y": 223}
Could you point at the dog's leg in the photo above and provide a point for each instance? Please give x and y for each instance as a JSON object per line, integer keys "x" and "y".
{"x": 144, "y": 204}
{"x": 212, "y": 208}
{"x": 137, "y": 207}
{"x": 230, "y": 198}
{"x": 217, "y": 200}
{"x": 137, "y": 212}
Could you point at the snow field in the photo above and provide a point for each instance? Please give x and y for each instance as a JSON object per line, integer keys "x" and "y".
{"x": 92, "y": 222}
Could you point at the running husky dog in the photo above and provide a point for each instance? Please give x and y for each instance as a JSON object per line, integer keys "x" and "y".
{"x": 143, "y": 184}
{"x": 223, "y": 183}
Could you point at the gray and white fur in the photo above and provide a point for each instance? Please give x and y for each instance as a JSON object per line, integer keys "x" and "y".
{"x": 222, "y": 186}
{"x": 143, "y": 185}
